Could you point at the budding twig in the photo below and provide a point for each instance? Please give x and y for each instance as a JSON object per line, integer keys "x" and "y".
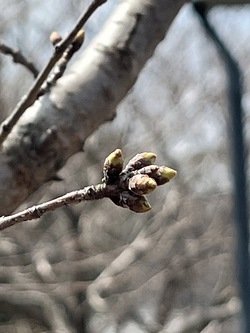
{"x": 61, "y": 65}
{"x": 126, "y": 187}
{"x": 32, "y": 94}
{"x": 94, "y": 192}
{"x": 19, "y": 58}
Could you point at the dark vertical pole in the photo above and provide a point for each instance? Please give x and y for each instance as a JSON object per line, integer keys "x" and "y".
{"x": 238, "y": 155}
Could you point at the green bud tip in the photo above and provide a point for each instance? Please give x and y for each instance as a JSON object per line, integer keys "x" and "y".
{"x": 114, "y": 159}
{"x": 113, "y": 164}
{"x": 168, "y": 173}
{"x": 141, "y": 160}
{"x": 164, "y": 175}
{"x": 148, "y": 156}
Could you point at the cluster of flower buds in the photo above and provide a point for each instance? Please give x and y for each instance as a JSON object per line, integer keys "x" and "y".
{"x": 138, "y": 178}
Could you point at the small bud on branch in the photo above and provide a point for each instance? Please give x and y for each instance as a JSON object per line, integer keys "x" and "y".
{"x": 141, "y": 160}
{"x": 55, "y": 38}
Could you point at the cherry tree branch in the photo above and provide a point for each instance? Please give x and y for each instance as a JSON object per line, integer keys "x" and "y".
{"x": 126, "y": 187}
{"x": 57, "y": 125}
{"x": 61, "y": 65}
{"x": 93, "y": 192}
{"x": 32, "y": 94}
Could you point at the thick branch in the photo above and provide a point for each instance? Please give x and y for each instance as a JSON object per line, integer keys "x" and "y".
{"x": 32, "y": 94}
{"x": 56, "y": 126}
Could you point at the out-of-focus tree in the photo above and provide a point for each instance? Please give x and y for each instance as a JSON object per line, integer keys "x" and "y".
{"x": 96, "y": 267}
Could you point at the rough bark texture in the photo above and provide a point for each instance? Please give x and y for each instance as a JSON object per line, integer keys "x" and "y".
{"x": 56, "y": 126}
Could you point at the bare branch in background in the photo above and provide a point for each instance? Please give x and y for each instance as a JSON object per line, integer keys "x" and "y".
{"x": 32, "y": 94}
{"x": 19, "y": 58}
{"x": 139, "y": 247}
{"x": 198, "y": 318}
{"x": 39, "y": 305}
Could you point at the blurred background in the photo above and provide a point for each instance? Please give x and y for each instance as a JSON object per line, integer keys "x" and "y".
{"x": 96, "y": 267}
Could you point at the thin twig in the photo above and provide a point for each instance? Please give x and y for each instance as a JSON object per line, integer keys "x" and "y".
{"x": 94, "y": 192}
{"x": 120, "y": 185}
{"x": 61, "y": 65}
{"x": 19, "y": 58}
{"x": 32, "y": 94}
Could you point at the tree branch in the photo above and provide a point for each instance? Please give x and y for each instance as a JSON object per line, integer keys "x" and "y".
{"x": 32, "y": 94}
{"x": 94, "y": 192}
{"x": 61, "y": 65}
{"x": 19, "y": 58}
{"x": 40, "y": 306}
{"x": 56, "y": 126}
{"x": 126, "y": 187}
{"x": 132, "y": 253}
{"x": 198, "y": 318}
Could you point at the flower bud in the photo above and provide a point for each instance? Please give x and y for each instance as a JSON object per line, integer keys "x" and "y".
{"x": 55, "y": 38}
{"x": 78, "y": 40}
{"x": 141, "y": 160}
{"x": 136, "y": 203}
{"x": 164, "y": 175}
{"x": 142, "y": 184}
{"x": 113, "y": 164}
{"x": 139, "y": 204}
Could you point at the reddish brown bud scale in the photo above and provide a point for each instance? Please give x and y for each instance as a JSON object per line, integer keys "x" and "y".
{"x": 142, "y": 184}
{"x": 141, "y": 160}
